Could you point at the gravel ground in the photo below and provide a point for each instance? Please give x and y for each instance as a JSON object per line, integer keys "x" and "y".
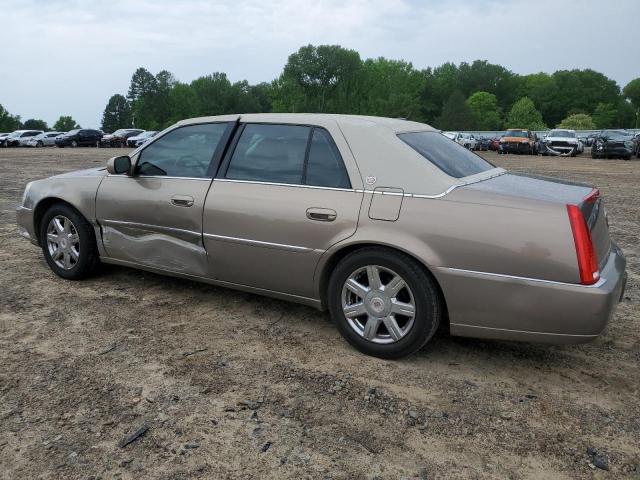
{"x": 233, "y": 385}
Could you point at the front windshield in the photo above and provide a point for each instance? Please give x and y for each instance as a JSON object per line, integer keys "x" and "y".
{"x": 562, "y": 134}
{"x": 615, "y": 135}
{"x": 516, "y": 133}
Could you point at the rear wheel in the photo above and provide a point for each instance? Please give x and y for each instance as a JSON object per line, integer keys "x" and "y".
{"x": 68, "y": 242}
{"x": 384, "y": 303}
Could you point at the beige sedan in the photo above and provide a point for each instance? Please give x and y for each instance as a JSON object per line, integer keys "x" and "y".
{"x": 388, "y": 224}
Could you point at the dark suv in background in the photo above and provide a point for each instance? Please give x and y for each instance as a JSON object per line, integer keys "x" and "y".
{"x": 80, "y": 137}
{"x": 119, "y": 137}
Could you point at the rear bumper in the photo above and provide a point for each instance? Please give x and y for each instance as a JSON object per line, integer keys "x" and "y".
{"x": 515, "y": 308}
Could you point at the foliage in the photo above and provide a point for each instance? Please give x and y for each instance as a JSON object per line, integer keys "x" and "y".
{"x": 604, "y": 116}
{"x": 456, "y": 114}
{"x": 523, "y": 114}
{"x": 65, "y": 123}
{"x": 35, "y": 124}
{"x": 484, "y": 107}
{"x": 117, "y": 114}
{"x": 632, "y": 92}
{"x": 8, "y": 122}
{"x": 578, "y": 121}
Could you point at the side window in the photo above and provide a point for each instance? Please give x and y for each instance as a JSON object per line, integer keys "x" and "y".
{"x": 270, "y": 153}
{"x": 183, "y": 152}
{"x": 325, "y": 167}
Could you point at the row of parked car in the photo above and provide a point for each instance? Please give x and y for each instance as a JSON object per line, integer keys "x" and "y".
{"x": 561, "y": 142}
{"x": 80, "y": 137}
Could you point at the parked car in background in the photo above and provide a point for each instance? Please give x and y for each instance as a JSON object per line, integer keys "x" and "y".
{"x": 562, "y": 142}
{"x": 119, "y": 137}
{"x": 612, "y": 144}
{"x": 467, "y": 140}
{"x": 3, "y": 137}
{"x": 495, "y": 143}
{"x": 15, "y": 139}
{"x": 45, "y": 139}
{"x": 140, "y": 139}
{"x": 516, "y": 140}
{"x": 483, "y": 143}
{"x": 636, "y": 145}
{"x": 80, "y": 137}
{"x": 308, "y": 207}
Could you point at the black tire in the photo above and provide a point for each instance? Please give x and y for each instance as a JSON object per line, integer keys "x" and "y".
{"x": 573, "y": 153}
{"x": 74, "y": 144}
{"x": 428, "y": 305}
{"x": 88, "y": 259}
{"x": 39, "y": 144}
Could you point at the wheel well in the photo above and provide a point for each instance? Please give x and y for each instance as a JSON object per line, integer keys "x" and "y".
{"x": 342, "y": 253}
{"x": 41, "y": 209}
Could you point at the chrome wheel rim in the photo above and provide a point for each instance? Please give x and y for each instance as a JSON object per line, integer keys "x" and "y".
{"x": 63, "y": 242}
{"x": 378, "y": 304}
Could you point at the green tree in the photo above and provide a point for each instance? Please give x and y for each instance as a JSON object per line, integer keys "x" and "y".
{"x": 65, "y": 123}
{"x": 8, "y": 122}
{"x": 142, "y": 83}
{"x": 484, "y": 106}
{"x": 543, "y": 90}
{"x": 325, "y": 76}
{"x": 578, "y": 121}
{"x": 117, "y": 114}
{"x": 523, "y": 114}
{"x": 35, "y": 124}
{"x": 605, "y": 115}
{"x": 632, "y": 92}
{"x": 456, "y": 115}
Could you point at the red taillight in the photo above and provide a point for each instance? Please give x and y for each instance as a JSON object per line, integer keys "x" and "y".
{"x": 587, "y": 261}
{"x": 593, "y": 196}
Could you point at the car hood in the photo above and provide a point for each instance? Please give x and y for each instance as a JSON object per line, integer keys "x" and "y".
{"x": 514, "y": 139}
{"x": 561, "y": 139}
{"x": 90, "y": 172}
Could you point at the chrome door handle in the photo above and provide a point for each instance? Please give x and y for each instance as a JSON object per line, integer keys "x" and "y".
{"x": 182, "y": 201}
{"x": 321, "y": 214}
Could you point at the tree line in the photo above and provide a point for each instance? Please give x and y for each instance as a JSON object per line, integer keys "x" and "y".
{"x": 328, "y": 78}
{"x": 9, "y": 123}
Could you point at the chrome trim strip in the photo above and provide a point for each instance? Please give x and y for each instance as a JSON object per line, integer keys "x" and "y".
{"x": 599, "y": 283}
{"x": 258, "y": 243}
{"x": 255, "y": 182}
{"x": 525, "y": 331}
{"x": 150, "y": 228}
{"x": 205, "y": 179}
{"x": 372, "y": 192}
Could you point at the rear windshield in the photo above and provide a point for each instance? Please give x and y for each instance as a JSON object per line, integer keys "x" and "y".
{"x": 450, "y": 157}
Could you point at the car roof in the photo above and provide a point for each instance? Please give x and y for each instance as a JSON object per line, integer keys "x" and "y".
{"x": 382, "y": 160}
{"x": 394, "y": 124}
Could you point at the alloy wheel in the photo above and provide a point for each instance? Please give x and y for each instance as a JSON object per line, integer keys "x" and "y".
{"x": 378, "y": 304}
{"x": 63, "y": 242}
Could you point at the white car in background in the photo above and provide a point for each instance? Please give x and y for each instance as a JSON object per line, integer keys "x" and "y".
{"x": 561, "y": 141}
{"x": 45, "y": 139}
{"x": 467, "y": 140}
{"x": 141, "y": 139}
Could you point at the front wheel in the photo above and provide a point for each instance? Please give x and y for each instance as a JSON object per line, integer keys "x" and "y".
{"x": 384, "y": 303}
{"x": 68, "y": 242}
{"x": 74, "y": 144}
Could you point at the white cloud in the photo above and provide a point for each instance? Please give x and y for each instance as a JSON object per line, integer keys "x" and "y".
{"x": 68, "y": 57}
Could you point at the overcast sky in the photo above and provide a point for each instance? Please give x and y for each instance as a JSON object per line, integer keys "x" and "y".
{"x": 68, "y": 57}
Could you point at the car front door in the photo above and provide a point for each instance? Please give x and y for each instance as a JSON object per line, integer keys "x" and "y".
{"x": 282, "y": 197}
{"x": 153, "y": 217}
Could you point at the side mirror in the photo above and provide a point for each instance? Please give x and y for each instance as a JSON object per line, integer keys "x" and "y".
{"x": 119, "y": 165}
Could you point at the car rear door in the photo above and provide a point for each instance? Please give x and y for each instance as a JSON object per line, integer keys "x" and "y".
{"x": 153, "y": 218}
{"x": 282, "y": 197}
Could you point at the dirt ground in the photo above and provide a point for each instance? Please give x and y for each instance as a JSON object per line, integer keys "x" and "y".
{"x": 233, "y": 385}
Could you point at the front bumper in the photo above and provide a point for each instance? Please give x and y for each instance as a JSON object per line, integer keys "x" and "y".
{"x": 514, "y": 147}
{"x": 614, "y": 151}
{"x": 514, "y": 308}
{"x": 26, "y": 228}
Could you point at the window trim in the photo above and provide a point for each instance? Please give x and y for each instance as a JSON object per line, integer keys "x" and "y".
{"x": 216, "y": 157}
{"x": 224, "y": 166}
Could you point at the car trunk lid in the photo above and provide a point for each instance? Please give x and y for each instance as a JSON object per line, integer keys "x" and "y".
{"x": 563, "y": 192}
